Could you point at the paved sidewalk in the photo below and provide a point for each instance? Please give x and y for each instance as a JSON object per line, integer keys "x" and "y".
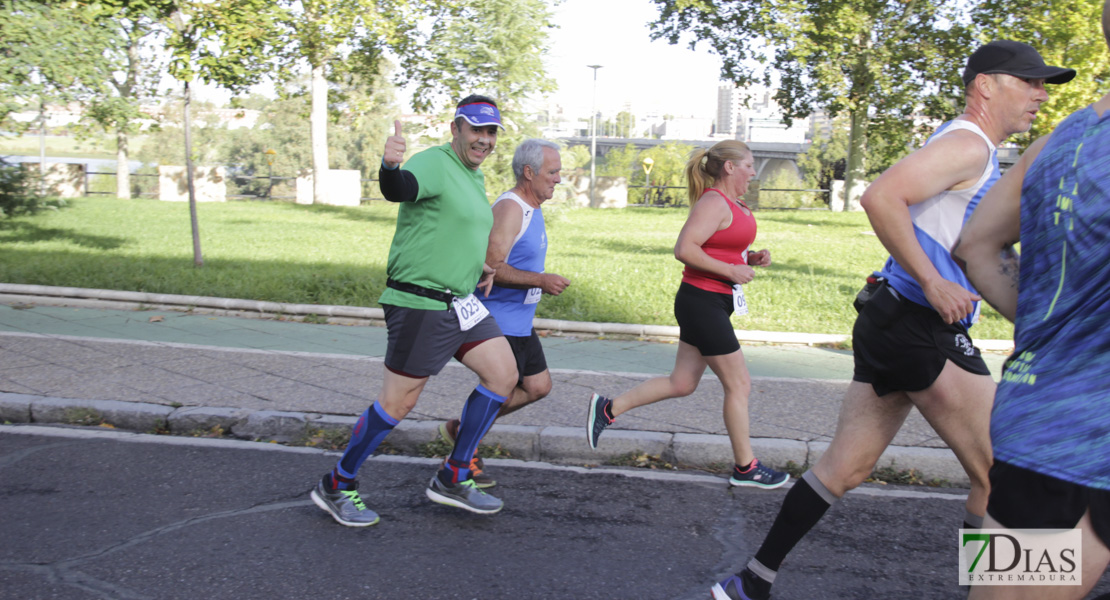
{"x": 260, "y": 379}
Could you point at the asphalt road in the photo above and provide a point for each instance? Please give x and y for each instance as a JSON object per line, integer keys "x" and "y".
{"x": 94, "y": 514}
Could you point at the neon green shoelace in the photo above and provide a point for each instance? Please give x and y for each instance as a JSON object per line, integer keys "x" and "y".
{"x": 355, "y": 499}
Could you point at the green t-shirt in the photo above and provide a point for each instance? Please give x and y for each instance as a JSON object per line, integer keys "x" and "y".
{"x": 440, "y": 240}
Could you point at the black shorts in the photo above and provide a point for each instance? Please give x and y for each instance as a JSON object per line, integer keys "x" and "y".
{"x": 528, "y": 353}
{"x": 901, "y": 346}
{"x": 420, "y": 342}
{"x": 1024, "y": 499}
{"x": 703, "y": 320}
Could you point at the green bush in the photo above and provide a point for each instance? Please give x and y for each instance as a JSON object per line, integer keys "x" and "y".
{"x": 16, "y": 195}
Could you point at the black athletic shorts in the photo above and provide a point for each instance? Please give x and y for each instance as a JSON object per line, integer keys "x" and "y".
{"x": 528, "y": 353}
{"x": 1024, "y": 499}
{"x": 419, "y": 343}
{"x": 703, "y": 320}
{"x": 901, "y": 346}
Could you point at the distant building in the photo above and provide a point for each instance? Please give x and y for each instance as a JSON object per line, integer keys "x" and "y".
{"x": 759, "y": 119}
{"x": 689, "y": 128}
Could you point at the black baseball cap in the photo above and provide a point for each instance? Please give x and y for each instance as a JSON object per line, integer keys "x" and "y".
{"x": 1013, "y": 58}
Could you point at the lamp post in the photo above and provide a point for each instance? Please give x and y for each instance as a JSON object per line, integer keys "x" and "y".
{"x": 648, "y": 164}
{"x": 593, "y": 133}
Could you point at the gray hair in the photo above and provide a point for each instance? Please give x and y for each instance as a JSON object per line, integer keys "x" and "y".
{"x": 530, "y": 153}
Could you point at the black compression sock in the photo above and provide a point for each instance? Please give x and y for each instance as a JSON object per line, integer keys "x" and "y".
{"x": 802, "y": 508}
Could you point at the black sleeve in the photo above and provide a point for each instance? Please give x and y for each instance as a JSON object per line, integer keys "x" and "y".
{"x": 398, "y": 185}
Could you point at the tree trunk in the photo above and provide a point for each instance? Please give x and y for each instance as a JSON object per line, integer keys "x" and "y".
{"x": 123, "y": 170}
{"x": 198, "y": 260}
{"x": 318, "y": 128}
{"x": 857, "y": 150}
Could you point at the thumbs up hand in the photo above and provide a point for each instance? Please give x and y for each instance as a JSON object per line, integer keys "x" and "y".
{"x": 394, "y": 147}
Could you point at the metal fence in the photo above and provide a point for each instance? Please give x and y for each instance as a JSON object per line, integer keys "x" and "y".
{"x": 663, "y": 196}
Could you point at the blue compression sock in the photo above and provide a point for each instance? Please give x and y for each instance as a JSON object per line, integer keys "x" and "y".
{"x": 478, "y": 413}
{"x": 368, "y": 433}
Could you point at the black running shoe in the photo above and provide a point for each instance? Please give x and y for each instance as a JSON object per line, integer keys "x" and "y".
{"x": 735, "y": 588}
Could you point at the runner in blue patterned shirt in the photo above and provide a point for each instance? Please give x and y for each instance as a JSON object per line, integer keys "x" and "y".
{"x": 1051, "y": 422}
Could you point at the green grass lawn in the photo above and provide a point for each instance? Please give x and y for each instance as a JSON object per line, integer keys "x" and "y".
{"x": 620, "y": 262}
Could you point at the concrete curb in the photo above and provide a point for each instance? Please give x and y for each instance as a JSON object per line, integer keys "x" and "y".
{"x": 95, "y": 298}
{"x": 563, "y": 445}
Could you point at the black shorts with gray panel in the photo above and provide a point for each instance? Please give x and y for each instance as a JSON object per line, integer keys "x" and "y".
{"x": 421, "y": 342}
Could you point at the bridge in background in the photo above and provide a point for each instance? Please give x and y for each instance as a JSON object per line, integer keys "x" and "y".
{"x": 768, "y": 155}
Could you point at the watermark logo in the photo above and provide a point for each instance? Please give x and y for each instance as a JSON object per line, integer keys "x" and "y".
{"x": 1021, "y": 557}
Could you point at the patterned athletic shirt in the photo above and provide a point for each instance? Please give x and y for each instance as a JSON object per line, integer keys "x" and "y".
{"x": 1052, "y": 409}
{"x": 937, "y": 223}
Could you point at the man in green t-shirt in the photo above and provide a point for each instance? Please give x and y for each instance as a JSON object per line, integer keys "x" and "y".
{"x": 436, "y": 261}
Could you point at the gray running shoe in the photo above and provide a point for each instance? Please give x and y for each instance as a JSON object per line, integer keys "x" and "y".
{"x": 597, "y": 420}
{"x": 345, "y": 506}
{"x": 464, "y": 495}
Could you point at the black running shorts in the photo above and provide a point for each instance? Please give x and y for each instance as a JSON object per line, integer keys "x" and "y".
{"x": 420, "y": 342}
{"x": 529, "y": 355}
{"x": 1025, "y": 499}
{"x": 900, "y": 345}
{"x": 703, "y": 320}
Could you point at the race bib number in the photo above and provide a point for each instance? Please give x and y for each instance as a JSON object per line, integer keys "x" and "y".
{"x": 470, "y": 311}
{"x": 739, "y": 303}
{"x": 533, "y": 296}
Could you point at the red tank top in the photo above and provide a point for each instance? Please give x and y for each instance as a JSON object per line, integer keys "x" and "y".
{"x": 728, "y": 245}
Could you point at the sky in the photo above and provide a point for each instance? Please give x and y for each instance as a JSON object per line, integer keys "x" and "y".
{"x": 649, "y": 75}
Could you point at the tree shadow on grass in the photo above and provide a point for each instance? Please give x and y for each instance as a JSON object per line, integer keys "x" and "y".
{"x": 23, "y": 232}
{"x": 350, "y": 213}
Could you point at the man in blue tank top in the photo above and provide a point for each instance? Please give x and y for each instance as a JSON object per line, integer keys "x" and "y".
{"x": 517, "y": 251}
{"x": 1051, "y": 423}
{"x": 910, "y": 340}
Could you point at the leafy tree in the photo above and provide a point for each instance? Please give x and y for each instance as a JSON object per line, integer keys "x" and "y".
{"x": 575, "y": 157}
{"x": 44, "y": 56}
{"x": 224, "y": 42}
{"x": 492, "y": 47}
{"x": 622, "y": 126}
{"x": 877, "y": 61}
{"x": 343, "y": 38}
{"x": 668, "y": 168}
{"x": 1066, "y": 33}
{"x": 46, "y": 50}
{"x": 128, "y": 66}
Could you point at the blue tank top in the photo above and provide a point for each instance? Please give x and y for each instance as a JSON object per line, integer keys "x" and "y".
{"x": 1052, "y": 409}
{"x": 937, "y": 223}
{"x": 514, "y": 309}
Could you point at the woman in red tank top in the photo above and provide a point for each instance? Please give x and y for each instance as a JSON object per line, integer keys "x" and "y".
{"x": 714, "y": 245}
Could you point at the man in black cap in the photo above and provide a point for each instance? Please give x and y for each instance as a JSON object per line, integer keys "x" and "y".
{"x": 910, "y": 340}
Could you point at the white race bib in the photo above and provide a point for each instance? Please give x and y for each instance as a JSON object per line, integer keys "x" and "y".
{"x": 534, "y": 295}
{"x": 470, "y": 311}
{"x": 739, "y": 303}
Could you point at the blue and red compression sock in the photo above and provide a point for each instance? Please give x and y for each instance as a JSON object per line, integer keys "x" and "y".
{"x": 478, "y": 414}
{"x": 367, "y": 435}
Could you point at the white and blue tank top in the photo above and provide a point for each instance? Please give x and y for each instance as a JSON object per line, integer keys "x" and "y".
{"x": 514, "y": 309}
{"x": 937, "y": 223}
